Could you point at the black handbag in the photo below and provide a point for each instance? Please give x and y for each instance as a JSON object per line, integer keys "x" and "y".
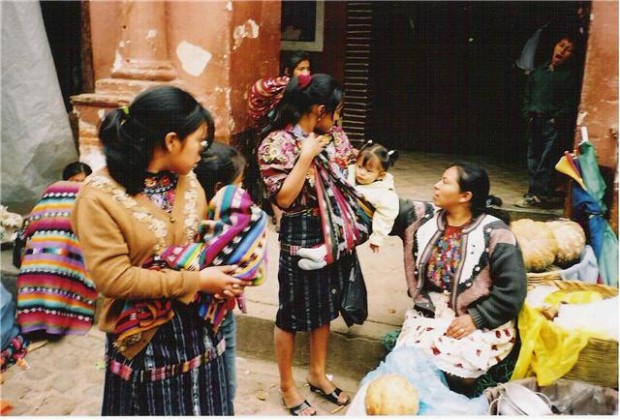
{"x": 354, "y": 305}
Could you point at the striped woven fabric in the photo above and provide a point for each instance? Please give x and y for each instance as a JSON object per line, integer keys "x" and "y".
{"x": 55, "y": 293}
{"x": 264, "y": 96}
{"x": 346, "y": 217}
{"x": 234, "y": 233}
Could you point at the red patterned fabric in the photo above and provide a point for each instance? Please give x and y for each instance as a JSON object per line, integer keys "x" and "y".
{"x": 264, "y": 96}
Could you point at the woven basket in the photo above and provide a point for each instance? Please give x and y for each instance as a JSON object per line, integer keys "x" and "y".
{"x": 544, "y": 277}
{"x": 598, "y": 360}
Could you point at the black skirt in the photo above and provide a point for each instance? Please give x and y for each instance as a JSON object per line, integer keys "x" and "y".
{"x": 181, "y": 372}
{"x": 309, "y": 299}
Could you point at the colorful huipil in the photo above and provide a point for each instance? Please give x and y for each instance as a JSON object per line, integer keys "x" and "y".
{"x": 55, "y": 293}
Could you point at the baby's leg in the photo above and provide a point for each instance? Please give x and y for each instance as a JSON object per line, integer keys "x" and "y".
{"x": 312, "y": 258}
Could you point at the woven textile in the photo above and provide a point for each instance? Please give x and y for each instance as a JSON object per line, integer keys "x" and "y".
{"x": 264, "y": 96}
{"x": 346, "y": 217}
{"x": 181, "y": 372}
{"x": 55, "y": 293}
{"x": 234, "y": 233}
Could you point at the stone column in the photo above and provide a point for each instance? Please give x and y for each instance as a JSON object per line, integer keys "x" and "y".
{"x": 141, "y": 62}
{"x": 142, "y": 53}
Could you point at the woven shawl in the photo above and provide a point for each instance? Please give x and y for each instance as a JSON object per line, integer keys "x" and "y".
{"x": 346, "y": 217}
{"x": 234, "y": 233}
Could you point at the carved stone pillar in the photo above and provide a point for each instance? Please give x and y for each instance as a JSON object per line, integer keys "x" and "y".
{"x": 141, "y": 62}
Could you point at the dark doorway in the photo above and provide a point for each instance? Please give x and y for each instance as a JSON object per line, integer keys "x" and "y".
{"x": 444, "y": 77}
{"x": 63, "y": 25}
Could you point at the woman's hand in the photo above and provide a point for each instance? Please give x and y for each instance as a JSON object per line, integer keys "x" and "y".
{"x": 313, "y": 145}
{"x": 294, "y": 182}
{"x": 461, "y": 327}
{"x": 219, "y": 281}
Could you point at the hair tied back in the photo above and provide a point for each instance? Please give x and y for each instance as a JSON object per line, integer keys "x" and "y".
{"x": 367, "y": 144}
{"x": 392, "y": 156}
{"x": 304, "y": 80}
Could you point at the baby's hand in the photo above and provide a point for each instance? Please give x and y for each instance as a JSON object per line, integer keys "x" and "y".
{"x": 375, "y": 248}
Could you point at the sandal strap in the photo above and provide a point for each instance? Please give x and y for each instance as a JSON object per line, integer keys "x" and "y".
{"x": 301, "y": 407}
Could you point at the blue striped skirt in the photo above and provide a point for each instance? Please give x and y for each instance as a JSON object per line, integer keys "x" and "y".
{"x": 181, "y": 372}
{"x": 308, "y": 299}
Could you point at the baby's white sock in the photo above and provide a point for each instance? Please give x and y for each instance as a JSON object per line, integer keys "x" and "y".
{"x": 312, "y": 258}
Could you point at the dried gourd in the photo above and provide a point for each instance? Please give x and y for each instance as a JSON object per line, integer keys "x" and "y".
{"x": 571, "y": 240}
{"x": 391, "y": 395}
{"x": 537, "y": 243}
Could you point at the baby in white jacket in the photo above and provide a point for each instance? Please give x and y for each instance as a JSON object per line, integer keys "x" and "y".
{"x": 370, "y": 176}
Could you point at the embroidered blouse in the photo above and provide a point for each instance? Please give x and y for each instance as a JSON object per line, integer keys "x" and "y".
{"x": 277, "y": 155}
{"x": 445, "y": 258}
{"x": 160, "y": 189}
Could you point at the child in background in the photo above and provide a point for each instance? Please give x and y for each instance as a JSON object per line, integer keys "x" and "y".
{"x": 223, "y": 165}
{"x": 371, "y": 177}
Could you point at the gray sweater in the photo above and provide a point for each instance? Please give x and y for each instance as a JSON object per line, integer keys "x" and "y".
{"x": 490, "y": 283}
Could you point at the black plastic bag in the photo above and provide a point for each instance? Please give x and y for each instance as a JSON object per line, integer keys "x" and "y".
{"x": 354, "y": 305}
{"x": 19, "y": 246}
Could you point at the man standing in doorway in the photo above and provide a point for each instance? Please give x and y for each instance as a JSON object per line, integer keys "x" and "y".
{"x": 550, "y": 100}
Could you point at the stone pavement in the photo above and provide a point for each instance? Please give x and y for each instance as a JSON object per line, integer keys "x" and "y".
{"x": 66, "y": 376}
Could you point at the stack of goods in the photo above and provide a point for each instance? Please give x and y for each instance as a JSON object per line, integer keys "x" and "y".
{"x": 566, "y": 331}
{"x": 9, "y": 225}
{"x": 548, "y": 247}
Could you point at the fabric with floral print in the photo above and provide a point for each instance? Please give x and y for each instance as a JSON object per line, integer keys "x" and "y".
{"x": 278, "y": 153}
{"x": 469, "y": 357}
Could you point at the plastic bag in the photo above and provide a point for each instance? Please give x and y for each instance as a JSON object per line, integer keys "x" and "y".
{"x": 354, "y": 305}
{"x": 435, "y": 396}
{"x": 547, "y": 351}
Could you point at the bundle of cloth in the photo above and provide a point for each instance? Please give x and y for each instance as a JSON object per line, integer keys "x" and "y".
{"x": 55, "y": 293}
{"x": 234, "y": 233}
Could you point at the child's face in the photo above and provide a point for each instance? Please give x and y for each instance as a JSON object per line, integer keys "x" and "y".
{"x": 303, "y": 67}
{"x": 367, "y": 173}
{"x": 562, "y": 51}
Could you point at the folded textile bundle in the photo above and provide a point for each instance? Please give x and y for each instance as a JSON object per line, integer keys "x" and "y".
{"x": 234, "y": 234}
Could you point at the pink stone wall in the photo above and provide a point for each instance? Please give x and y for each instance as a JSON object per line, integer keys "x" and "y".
{"x": 217, "y": 47}
{"x": 599, "y": 95}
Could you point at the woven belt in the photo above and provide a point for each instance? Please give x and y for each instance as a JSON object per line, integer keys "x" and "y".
{"x": 308, "y": 211}
{"x": 290, "y": 249}
{"x": 164, "y": 372}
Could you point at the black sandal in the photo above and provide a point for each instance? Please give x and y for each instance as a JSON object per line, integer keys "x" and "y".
{"x": 299, "y": 408}
{"x": 332, "y": 396}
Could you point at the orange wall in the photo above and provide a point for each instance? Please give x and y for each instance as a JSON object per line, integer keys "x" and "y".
{"x": 243, "y": 38}
{"x": 599, "y": 94}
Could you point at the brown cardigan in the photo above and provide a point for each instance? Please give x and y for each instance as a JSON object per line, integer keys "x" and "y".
{"x": 118, "y": 233}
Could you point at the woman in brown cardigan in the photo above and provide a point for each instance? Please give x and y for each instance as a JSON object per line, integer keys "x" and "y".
{"x": 161, "y": 357}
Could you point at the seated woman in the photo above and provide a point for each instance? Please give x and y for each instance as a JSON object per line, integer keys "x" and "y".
{"x": 466, "y": 275}
{"x": 55, "y": 295}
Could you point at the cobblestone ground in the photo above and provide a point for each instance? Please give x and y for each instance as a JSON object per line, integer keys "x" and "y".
{"x": 65, "y": 377}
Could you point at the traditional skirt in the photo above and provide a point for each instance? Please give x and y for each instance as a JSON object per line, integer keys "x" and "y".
{"x": 308, "y": 299}
{"x": 181, "y": 372}
{"x": 55, "y": 293}
{"x": 469, "y": 357}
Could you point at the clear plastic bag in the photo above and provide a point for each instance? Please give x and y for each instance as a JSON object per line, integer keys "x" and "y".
{"x": 435, "y": 396}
